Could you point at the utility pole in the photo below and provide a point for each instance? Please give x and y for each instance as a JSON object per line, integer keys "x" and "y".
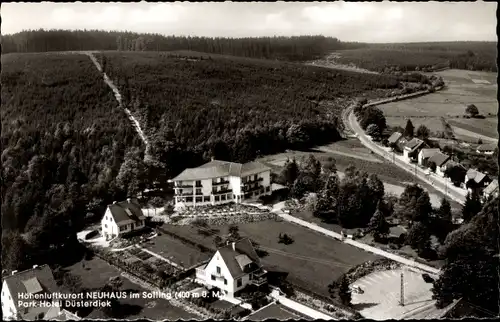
{"x": 402, "y": 299}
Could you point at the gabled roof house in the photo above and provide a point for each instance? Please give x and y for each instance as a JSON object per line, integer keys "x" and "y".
{"x": 37, "y": 281}
{"x": 232, "y": 268}
{"x": 488, "y": 148}
{"x": 122, "y": 217}
{"x": 412, "y": 148}
{"x": 475, "y": 180}
{"x": 394, "y": 138}
{"x": 491, "y": 189}
{"x": 425, "y": 154}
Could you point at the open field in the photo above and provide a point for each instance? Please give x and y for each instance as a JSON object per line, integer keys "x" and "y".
{"x": 275, "y": 311}
{"x": 381, "y": 296}
{"x": 97, "y": 273}
{"x": 177, "y": 251}
{"x": 313, "y": 261}
{"x": 461, "y": 89}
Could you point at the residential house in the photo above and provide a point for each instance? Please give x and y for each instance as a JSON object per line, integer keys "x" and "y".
{"x": 412, "y": 148}
{"x": 491, "y": 190}
{"x": 121, "y": 218}
{"x": 487, "y": 149}
{"x": 394, "y": 138}
{"x": 475, "y": 180}
{"x": 232, "y": 268}
{"x": 449, "y": 164}
{"x": 397, "y": 234}
{"x": 20, "y": 289}
{"x": 219, "y": 182}
{"x": 425, "y": 154}
{"x": 439, "y": 159}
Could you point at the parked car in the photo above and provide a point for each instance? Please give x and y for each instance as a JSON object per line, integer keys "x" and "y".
{"x": 427, "y": 278}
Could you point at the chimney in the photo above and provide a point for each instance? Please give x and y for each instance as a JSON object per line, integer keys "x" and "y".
{"x": 35, "y": 266}
{"x": 234, "y": 245}
{"x": 14, "y": 272}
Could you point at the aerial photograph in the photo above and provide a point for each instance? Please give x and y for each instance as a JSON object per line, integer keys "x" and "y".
{"x": 249, "y": 161}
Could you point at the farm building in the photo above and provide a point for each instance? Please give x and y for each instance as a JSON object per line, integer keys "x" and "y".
{"x": 475, "y": 180}
{"x": 487, "y": 149}
{"x": 439, "y": 159}
{"x": 425, "y": 154}
{"x": 121, "y": 218}
{"x": 412, "y": 148}
{"x": 232, "y": 268}
{"x": 219, "y": 182}
{"x": 491, "y": 190}
{"x": 394, "y": 138}
{"x": 34, "y": 282}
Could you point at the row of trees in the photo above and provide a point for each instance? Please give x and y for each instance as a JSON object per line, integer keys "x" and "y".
{"x": 297, "y": 48}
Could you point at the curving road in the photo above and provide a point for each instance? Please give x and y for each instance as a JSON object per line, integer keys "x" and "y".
{"x": 439, "y": 183}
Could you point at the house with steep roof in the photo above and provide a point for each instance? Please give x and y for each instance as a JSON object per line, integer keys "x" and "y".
{"x": 439, "y": 159}
{"x": 412, "y": 148}
{"x": 491, "y": 190}
{"x": 26, "y": 295}
{"x": 425, "y": 154}
{"x": 394, "y": 138}
{"x": 475, "y": 180}
{"x": 487, "y": 149}
{"x": 121, "y": 218}
{"x": 219, "y": 182}
{"x": 232, "y": 268}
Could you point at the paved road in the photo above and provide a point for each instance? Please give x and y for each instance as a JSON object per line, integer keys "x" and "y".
{"x": 374, "y": 250}
{"x": 440, "y": 184}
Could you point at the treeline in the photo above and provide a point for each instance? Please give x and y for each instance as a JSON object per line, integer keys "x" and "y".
{"x": 297, "y": 48}
{"x": 479, "y": 56}
{"x": 63, "y": 143}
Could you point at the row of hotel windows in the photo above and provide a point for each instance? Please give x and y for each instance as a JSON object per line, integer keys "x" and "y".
{"x": 238, "y": 281}
{"x": 124, "y": 227}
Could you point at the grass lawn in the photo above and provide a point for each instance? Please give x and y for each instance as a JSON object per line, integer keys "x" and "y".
{"x": 177, "y": 251}
{"x": 451, "y": 102}
{"x": 276, "y": 311}
{"x": 96, "y": 274}
{"x": 313, "y": 261}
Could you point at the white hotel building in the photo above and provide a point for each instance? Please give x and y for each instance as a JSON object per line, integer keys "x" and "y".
{"x": 219, "y": 182}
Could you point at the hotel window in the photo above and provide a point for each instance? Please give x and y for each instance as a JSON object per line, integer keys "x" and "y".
{"x": 238, "y": 282}
{"x": 105, "y": 225}
{"x": 213, "y": 277}
{"x": 218, "y": 269}
{"x": 207, "y": 198}
{"x": 198, "y": 182}
{"x": 225, "y": 281}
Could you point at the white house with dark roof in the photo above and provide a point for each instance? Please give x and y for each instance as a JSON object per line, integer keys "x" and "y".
{"x": 425, "y": 154}
{"x": 475, "y": 180}
{"x": 394, "y": 138}
{"x": 219, "y": 182}
{"x": 232, "y": 268}
{"x": 439, "y": 159}
{"x": 491, "y": 190}
{"x": 122, "y": 217}
{"x": 487, "y": 149}
{"x": 22, "y": 287}
{"x": 412, "y": 148}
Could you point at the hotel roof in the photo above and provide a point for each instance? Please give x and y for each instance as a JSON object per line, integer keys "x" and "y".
{"x": 217, "y": 169}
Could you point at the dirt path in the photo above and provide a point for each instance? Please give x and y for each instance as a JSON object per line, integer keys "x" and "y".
{"x": 118, "y": 97}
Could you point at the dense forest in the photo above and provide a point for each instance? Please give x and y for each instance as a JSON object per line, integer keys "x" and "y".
{"x": 299, "y": 48}
{"x": 63, "y": 144}
{"x": 423, "y": 56}
{"x": 235, "y": 109}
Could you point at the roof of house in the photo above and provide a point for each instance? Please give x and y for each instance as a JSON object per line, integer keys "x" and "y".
{"x": 475, "y": 175}
{"x": 35, "y": 280}
{"x": 242, "y": 255}
{"x": 394, "y": 137}
{"x": 427, "y": 153}
{"x": 128, "y": 211}
{"x": 413, "y": 144}
{"x": 487, "y": 147}
{"x": 216, "y": 169}
{"x": 492, "y": 187}
{"x": 439, "y": 158}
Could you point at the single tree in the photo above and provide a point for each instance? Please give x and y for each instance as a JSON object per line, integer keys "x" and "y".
{"x": 290, "y": 172}
{"x": 418, "y": 237}
{"x": 373, "y": 131}
{"x": 378, "y": 224}
{"x": 409, "y": 129}
{"x": 471, "y": 207}
{"x": 432, "y": 166}
{"x": 471, "y": 110}
{"x": 423, "y": 132}
{"x": 345, "y": 291}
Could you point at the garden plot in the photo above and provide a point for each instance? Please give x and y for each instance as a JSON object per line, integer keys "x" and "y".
{"x": 381, "y": 296}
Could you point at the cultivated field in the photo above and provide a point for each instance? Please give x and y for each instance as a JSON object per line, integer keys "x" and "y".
{"x": 462, "y": 88}
{"x": 97, "y": 273}
{"x": 313, "y": 261}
